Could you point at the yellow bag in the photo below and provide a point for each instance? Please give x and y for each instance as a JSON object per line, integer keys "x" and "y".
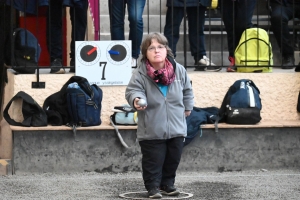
{"x": 254, "y": 49}
{"x": 214, "y": 4}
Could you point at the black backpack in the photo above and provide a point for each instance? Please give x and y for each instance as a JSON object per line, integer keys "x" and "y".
{"x": 56, "y": 105}
{"x": 24, "y": 51}
{"x": 241, "y": 104}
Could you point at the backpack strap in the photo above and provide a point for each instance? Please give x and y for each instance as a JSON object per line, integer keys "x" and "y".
{"x": 118, "y": 133}
{"x": 86, "y": 87}
{"x": 253, "y": 84}
{"x": 74, "y": 129}
{"x": 26, "y": 98}
{"x": 123, "y": 109}
{"x": 13, "y": 60}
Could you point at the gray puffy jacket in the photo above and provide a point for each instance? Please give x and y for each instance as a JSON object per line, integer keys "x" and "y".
{"x": 164, "y": 116}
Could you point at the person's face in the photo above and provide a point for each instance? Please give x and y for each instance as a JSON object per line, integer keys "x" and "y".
{"x": 156, "y": 53}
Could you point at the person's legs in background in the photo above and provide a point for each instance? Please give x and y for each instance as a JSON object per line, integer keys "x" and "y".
{"x": 237, "y": 17}
{"x": 78, "y": 16}
{"x": 117, "y": 16}
{"x": 174, "y": 17}
{"x": 196, "y": 19}
{"x": 228, "y": 16}
{"x": 5, "y": 30}
{"x": 280, "y": 16}
{"x": 135, "y": 18}
{"x": 243, "y": 18}
{"x": 54, "y": 36}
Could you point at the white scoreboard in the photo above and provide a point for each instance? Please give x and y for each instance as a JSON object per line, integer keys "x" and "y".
{"x": 104, "y": 62}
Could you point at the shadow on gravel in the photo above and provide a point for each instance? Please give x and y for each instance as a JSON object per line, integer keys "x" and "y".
{"x": 213, "y": 190}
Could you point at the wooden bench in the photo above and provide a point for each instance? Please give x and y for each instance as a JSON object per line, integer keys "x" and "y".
{"x": 262, "y": 124}
{"x": 67, "y": 128}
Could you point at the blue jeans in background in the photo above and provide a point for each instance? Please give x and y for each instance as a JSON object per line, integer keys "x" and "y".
{"x": 135, "y": 10}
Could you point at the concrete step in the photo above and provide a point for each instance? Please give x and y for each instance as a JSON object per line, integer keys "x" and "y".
{"x": 243, "y": 148}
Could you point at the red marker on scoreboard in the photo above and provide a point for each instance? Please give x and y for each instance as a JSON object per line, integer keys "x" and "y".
{"x": 91, "y": 51}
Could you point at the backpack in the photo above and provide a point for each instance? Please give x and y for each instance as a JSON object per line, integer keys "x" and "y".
{"x": 125, "y": 116}
{"x": 25, "y": 51}
{"x": 254, "y": 49}
{"x": 33, "y": 114}
{"x": 241, "y": 103}
{"x": 56, "y": 105}
{"x": 84, "y": 104}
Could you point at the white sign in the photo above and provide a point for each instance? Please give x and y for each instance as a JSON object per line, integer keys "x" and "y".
{"x": 104, "y": 62}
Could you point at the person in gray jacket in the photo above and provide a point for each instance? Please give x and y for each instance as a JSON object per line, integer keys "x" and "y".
{"x": 166, "y": 87}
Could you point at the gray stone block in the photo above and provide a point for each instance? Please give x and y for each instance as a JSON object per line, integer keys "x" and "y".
{"x": 101, "y": 151}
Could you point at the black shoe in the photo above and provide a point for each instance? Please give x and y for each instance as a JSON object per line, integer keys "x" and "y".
{"x": 213, "y": 68}
{"x": 56, "y": 67}
{"x": 199, "y": 67}
{"x": 169, "y": 190}
{"x": 72, "y": 66}
{"x": 297, "y": 69}
{"x": 288, "y": 62}
{"x": 154, "y": 193}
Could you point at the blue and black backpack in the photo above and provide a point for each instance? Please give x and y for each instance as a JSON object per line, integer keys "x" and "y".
{"x": 84, "y": 104}
{"x": 241, "y": 104}
{"x": 77, "y": 104}
{"x": 25, "y": 51}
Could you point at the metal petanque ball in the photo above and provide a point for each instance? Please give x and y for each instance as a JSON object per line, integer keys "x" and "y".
{"x": 142, "y": 103}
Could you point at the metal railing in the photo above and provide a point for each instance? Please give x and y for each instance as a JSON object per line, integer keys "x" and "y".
{"x": 215, "y": 32}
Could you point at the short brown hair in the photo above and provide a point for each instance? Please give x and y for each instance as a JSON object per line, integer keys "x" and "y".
{"x": 147, "y": 42}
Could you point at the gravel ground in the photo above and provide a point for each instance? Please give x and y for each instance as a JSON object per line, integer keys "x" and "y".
{"x": 259, "y": 184}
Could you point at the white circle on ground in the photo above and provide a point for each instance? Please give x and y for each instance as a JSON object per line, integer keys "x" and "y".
{"x": 182, "y": 195}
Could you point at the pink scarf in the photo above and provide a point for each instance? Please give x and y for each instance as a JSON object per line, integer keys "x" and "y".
{"x": 164, "y": 76}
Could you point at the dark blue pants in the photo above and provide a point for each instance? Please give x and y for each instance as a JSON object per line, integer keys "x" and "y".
{"x": 78, "y": 16}
{"x": 196, "y": 19}
{"x": 237, "y": 16}
{"x": 135, "y": 10}
{"x": 160, "y": 161}
{"x": 5, "y": 34}
{"x": 5, "y": 51}
{"x": 280, "y": 17}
